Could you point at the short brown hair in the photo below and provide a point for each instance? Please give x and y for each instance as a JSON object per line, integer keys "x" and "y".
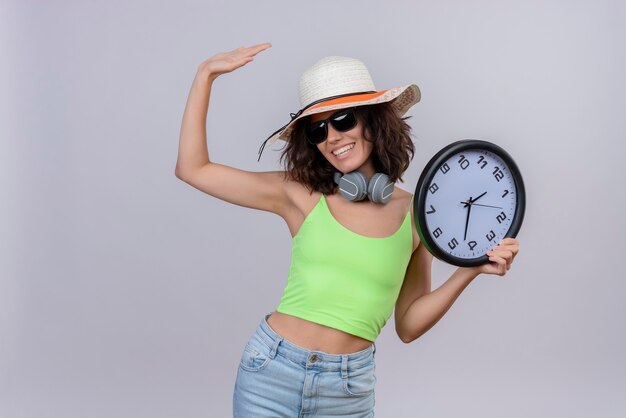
{"x": 392, "y": 150}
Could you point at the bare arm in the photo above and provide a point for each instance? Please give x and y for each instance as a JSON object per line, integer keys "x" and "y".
{"x": 417, "y": 283}
{"x": 258, "y": 190}
{"x": 192, "y": 148}
{"x": 425, "y": 310}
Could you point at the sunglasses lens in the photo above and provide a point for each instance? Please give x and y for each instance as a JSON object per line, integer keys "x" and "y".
{"x": 316, "y": 132}
{"x": 344, "y": 121}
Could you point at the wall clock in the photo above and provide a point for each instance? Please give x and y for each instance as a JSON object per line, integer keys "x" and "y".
{"x": 469, "y": 197}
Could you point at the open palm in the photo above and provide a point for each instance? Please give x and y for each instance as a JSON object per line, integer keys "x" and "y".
{"x": 225, "y": 62}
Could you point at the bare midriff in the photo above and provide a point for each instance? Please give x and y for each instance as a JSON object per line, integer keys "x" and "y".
{"x": 313, "y": 336}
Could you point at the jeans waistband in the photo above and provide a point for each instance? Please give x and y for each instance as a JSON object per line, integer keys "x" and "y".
{"x": 309, "y": 358}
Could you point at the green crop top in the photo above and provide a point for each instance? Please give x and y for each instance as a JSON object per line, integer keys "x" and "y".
{"x": 342, "y": 279}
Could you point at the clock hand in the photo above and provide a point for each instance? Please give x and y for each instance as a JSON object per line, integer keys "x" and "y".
{"x": 467, "y": 202}
{"x": 469, "y": 208}
{"x": 487, "y": 206}
{"x": 478, "y": 204}
{"x": 473, "y": 200}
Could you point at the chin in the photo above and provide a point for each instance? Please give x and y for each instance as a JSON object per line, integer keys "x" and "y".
{"x": 345, "y": 166}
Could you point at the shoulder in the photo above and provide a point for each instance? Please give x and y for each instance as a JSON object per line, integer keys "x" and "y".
{"x": 403, "y": 196}
{"x": 407, "y": 199}
{"x": 404, "y": 199}
{"x": 301, "y": 198}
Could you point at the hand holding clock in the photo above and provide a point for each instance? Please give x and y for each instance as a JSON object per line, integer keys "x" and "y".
{"x": 500, "y": 258}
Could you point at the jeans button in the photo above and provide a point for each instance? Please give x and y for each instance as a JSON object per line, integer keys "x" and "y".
{"x": 314, "y": 358}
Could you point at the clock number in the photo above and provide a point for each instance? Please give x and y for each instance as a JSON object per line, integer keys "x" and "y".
{"x": 491, "y": 235}
{"x": 437, "y": 232}
{"x": 452, "y": 244}
{"x": 433, "y": 188}
{"x": 480, "y": 160}
{"x": 445, "y": 168}
{"x": 505, "y": 193}
{"x": 432, "y": 211}
{"x": 498, "y": 174}
{"x": 501, "y": 217}
{"x": 472, "y": 244}
{"x": 463, "y": 162}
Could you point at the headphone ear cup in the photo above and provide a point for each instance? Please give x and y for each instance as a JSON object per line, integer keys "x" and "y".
{"x": 380, "y": 188}
{"x": 353, "y": 186}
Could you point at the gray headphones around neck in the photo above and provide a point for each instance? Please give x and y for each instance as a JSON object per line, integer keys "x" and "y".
{"x": 354, "y": 186}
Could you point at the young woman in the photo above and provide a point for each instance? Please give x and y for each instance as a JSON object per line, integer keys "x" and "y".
{"x": 356, "y": 253}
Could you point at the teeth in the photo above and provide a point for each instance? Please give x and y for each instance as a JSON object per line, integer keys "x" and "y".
{"x": 344, "y": 149}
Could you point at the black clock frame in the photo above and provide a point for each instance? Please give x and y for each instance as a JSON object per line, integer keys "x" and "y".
{"x": 425, "y": 179}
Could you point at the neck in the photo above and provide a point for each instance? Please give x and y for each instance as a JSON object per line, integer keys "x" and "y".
{"x": 367, "y": 169}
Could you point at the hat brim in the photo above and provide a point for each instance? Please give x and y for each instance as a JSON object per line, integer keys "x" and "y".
{"x": 403, "y": 98}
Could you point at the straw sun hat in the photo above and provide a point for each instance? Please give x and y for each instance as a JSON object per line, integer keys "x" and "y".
{"x": 336, "y": 82}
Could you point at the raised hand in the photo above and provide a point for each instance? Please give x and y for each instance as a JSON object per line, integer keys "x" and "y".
{"x": 225, "y": 62}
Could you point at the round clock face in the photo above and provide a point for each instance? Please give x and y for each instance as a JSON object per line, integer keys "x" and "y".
{"x": 469, "y": 197}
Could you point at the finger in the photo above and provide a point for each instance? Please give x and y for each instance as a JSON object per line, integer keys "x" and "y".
{"x": 512, "y": 248}
{"x": 262, "y": 46}
{"x": 239, "y": 53}
{"x": 507, "y": 255}
{"x": 500, "y": 264}
{"x": 500, "y": 249}
{"x": 254, "y": 49}
{"x": 238, "y": 60}
{"x": 503, "y": 252}
{"x": 510, "y": 242}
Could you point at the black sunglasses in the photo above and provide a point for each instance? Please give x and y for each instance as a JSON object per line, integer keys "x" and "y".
{"x": 343, "y": 120}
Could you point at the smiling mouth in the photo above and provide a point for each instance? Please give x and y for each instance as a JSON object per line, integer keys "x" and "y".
{"x": 343, "y": 150}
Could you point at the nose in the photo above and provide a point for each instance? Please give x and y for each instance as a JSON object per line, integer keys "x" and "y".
{"x": 333, "y": 134}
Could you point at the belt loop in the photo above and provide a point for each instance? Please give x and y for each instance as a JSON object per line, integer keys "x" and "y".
{"x": 344, "y": 366}
{"x": 374, "y": 351}
{"x": 274, "y": 347}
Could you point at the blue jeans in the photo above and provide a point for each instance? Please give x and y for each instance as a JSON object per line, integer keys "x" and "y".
{"x": 277, "y": 378}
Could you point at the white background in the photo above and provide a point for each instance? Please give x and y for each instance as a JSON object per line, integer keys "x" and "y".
{"x": 125, "y": 292}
